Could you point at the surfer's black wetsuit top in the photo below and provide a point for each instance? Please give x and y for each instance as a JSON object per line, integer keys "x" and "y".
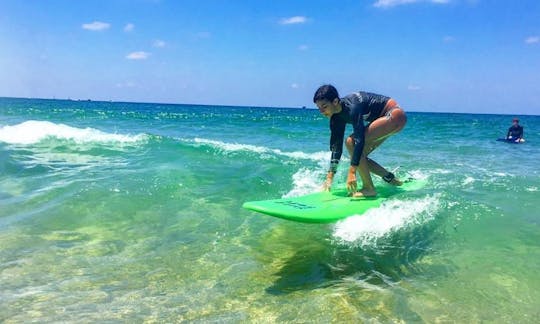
{"x": 516, "y": 131}
{"x": 357, "y": 108}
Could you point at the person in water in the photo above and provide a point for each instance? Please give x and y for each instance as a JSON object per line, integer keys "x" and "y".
{"x": 515, "y": 132}
{"x": 384, "y": 117}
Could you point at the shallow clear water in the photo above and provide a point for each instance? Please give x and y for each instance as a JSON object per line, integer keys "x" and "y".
{"x": 132, "y": 212}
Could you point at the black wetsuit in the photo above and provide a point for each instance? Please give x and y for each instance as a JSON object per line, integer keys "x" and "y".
{"x": 357, "y": 108}
{"x": 516, "y": 131}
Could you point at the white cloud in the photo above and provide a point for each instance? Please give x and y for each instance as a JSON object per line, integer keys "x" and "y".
{"x": 393, "y": 3}
{"x": 303, "y": 47}
{"x": 295, "y": 86}
{"x": 293, "y": 20}
{"x": 532, "y": 40}
{"x": 413, "y": 88}
{"x": 138, "y": 55}
{"x": 448, "y": 39}
{"x": 159, "y": 43}
{"x": 96, "y": 26}
{"x": 129, "y": 27}
{"x": 128, "y": 84}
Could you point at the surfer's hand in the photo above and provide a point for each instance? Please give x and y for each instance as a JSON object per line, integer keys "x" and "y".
{"x": 326, "y": 186}
{"x": 328, "y": 183}
{"x": 351, "y": 180}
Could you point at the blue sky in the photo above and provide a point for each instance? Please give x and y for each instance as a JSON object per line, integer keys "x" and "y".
{"x": 431, "y": 55}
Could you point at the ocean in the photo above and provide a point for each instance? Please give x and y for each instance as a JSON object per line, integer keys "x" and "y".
{"x": 131, "y": 212}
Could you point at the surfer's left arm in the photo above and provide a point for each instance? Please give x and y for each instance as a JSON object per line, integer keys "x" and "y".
{"x": 359, "y": 139}
{"x": 337, "y": 130}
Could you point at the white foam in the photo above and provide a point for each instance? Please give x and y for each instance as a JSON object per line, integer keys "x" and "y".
{"x": 468, "y": 180}
{"x": 391, "y": 216}
{"x": 417, "y": 174}
{"x": 33, "y": 131}
{"x": 305, "y": 181}
{"x": 440, "y": 171}
{"x": 234, "y": 147}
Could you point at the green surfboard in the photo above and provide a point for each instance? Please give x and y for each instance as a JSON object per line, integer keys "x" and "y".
{"x": 328, "y": 207}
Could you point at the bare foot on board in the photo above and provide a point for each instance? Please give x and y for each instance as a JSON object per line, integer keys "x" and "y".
{"x": 396, "y": 182}
{"x": 365, "y": 193}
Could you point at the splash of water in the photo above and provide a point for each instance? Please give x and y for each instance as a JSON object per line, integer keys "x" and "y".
{"x": 392, "y": 216}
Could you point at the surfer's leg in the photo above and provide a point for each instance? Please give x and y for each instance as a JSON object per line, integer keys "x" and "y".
{"x": 381, "y": 128}
{"x": 374, "y": 167}
{"x": 379, "y": 170}
{"x": 393, "y": 120}
{"x": 368, "y": 189}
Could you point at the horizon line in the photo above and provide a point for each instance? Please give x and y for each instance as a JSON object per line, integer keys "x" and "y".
{"x": 250, "y": 106}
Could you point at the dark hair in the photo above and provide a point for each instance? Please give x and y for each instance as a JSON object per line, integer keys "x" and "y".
{"x": 326, "y": 92}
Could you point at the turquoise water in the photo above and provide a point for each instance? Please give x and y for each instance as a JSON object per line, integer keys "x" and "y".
{"x": 132, "y": 212}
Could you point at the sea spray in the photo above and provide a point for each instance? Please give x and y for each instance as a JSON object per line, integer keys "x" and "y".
{"x": 392, "y": 216}
{"x": 305, "y": 181}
